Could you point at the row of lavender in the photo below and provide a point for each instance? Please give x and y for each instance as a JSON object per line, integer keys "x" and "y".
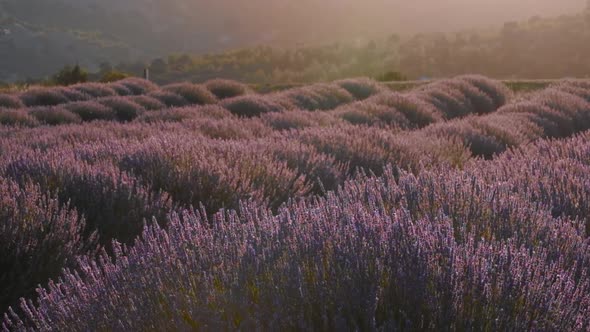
{"x": 118, "y": 175}
{"x": 498, "y": 246}
{"x": 129, "y": 99}
{"x": 86, "y": 184}
{"x": 122, "y": 100}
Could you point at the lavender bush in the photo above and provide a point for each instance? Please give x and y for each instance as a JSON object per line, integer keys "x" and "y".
{"x": 224, "y": 89}
{"x": 10, "y": 101}
{"x": 250, "y": 105}
{"x": 168, "y": 98}
{"x": 112, "y": 202}
{"x": 193, "y": 93}
{"x": 298, "y": 120}
{"x": 317, "y": 97}
{"x": 39, "y": 238}
{"x": 18, "y": 118}
{"x": 91, "y": 110}
{"x": 54, "y": 115}
{"x": 43, "y": 97}
{"x": 361, "y": 88}
{"x": 149, "y": 103}
{"x": 96, "y": 90}
{"x": 124, "y": 109}
{"x": 138, "y": 86}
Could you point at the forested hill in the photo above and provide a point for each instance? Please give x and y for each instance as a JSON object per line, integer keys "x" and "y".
{"x": 537, "y": 48}
{"x": 37, "y": 37}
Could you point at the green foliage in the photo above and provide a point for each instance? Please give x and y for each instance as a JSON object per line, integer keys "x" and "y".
{"x": 392, "y": 76}
{"x": 70, "y": 75}
{"x": 113, "y": 76}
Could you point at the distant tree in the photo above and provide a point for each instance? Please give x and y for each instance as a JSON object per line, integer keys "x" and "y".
{"x": 105, "y": 67}
{"x": 70, "y": 75}
{"x": 159, "y": 66}
{"x": 393, "y": 38}
{"x": 112, "y": 76}
{"x": 392, "y": 76}
{"x": 180, "y": 62}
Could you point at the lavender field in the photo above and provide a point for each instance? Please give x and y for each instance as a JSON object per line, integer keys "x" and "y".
{"x": 453, "y": 206}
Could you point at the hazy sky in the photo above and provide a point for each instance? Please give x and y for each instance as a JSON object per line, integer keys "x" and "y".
{"x": 346, "y": 18}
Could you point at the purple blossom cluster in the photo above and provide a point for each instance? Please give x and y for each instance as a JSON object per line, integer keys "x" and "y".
{"x": 337, "y": 206}
{"x": 446, "y": 249}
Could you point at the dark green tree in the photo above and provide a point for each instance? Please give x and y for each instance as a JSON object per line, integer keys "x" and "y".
{"x": 70, "y": 75}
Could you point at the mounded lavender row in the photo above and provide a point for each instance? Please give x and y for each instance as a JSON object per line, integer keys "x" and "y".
{"x": 442, "y": 100}
{"x": 52, "y": 96}
{"x": 446, "y": 99}
{"x": 443, "y": 250}
{"x": 556, "y": 112}
{"x": 359, "y": 101}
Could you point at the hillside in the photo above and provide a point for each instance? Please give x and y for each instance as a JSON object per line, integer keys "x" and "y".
{"x": 48, "y": 34}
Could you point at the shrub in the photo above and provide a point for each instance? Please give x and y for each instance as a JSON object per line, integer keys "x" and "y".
{"x": 73, "y": 94}
{"x": 149, "y": 103}
{"x": 96, "y": 90}
{"x": 54, "y": 115}
{"x": 360, "y": 147}
{"x": 317, "y": 97}
{"x": 113, "y": 76}
{"x": 322, "y": 172}
{"x": 138, "y": 86}
{"x": 70, "y": 75}
{"x": 124, "y": 109}
{"x": 193, "y": 93}
{"x": 170, "y": 99}
{"x": 361, "y": 88}
{"x": 231, "y": 128}
{"x": 10, "y": 101}
{"x": 392, "y": 76}
{"x": 574, "y": 107}
{"x": 43, "y": 97}
{"x": 38, "y": 237}
{"x": 91, "y": 110}
{"x": 212, "y": 111}
{"x": 297, "y": 119}
{"x": 120, "y": 89}
{"x": 216, "y": 174}
{"x": 224, "y": 89}
{"x": 497, "y": 91}
{"x": 480, "y": 143}
{"x": 419, "y": 113}
{"x": 19, "y": 118}
{"x": 184, "y": 113}
{"x": 251, "y": 105}
{"x": 168, "y": 115}
{"x": 449, "y": 101}
{"x": 554, "y": 123}
{"x": 365, "y": 112}
{"x": 480, "y": 101}
{"x": 113, "y": 203}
